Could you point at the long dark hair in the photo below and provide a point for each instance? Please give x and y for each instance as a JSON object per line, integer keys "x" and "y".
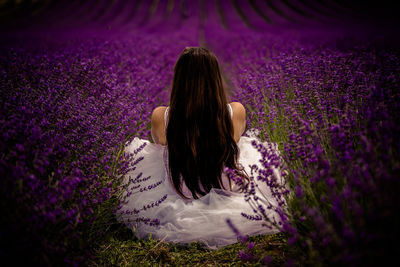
{"x": 200, "y": 130}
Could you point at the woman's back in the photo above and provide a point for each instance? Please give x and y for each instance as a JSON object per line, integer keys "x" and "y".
{"x": 160, "y": 118}
{"x": 200, "y": 134}
{"x": 177, "y": 189}
{"x": 159, "y": 122}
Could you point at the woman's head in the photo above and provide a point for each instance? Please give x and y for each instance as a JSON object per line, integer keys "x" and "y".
{"x": 200, "y": 131}
{"x": 197, "y": 79}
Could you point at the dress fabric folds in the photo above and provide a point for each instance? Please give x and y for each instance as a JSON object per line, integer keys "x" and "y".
{"x": 150, "y": 204}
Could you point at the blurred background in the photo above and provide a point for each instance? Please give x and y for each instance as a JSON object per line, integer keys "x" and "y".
{"x": 134, "y": 14}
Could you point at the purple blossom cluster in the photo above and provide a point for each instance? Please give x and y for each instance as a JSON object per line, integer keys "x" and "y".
{"x": 67, "y": 109}
{"x": 333, "y": 112}
{"x": 76, "y": 88}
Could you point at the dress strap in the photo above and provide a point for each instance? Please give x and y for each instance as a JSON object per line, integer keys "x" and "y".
{"x": 230, "y": 110}
{"x": 166, "y": 117}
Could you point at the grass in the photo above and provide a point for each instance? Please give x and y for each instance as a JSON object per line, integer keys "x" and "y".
{"x": 121, "y": 248}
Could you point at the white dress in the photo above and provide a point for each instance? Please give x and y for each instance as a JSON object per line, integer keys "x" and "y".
{"x": 150, "y": 204}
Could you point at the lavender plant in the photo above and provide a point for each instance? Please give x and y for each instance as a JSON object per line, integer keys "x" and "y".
{"x": 73, "y": 95}
{"x": 333, "y": 114}
{"x": 67, "y": 111}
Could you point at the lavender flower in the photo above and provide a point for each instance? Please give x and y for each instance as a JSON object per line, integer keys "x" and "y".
{"x": 71, "y": 104}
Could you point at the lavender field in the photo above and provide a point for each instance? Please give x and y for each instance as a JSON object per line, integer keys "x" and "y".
{"x": 79, "y": 79}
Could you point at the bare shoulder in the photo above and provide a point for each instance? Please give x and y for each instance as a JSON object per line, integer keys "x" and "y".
{"x": 238, "y": 119}
{"x": 157, "y": 125}
{"x": 157, "y": 117}
{"x": 238, "y": 110}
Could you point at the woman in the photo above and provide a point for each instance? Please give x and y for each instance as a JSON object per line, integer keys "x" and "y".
{"x": 178, "y": 191}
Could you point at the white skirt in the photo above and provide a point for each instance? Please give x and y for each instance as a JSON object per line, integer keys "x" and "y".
{"x": 150, "y": 204}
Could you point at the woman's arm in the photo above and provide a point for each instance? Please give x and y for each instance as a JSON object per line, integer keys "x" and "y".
{"x": 238, "y": 120}
{"x": 158, "y": 126}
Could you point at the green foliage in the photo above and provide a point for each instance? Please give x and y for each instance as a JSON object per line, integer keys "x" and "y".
{"x": 121, "y": 248}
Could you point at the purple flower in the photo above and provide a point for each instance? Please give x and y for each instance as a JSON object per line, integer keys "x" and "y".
{"x": 250, "y": 245}
{"x": 245, "y": 256}
{"x": 299, "y": 191}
